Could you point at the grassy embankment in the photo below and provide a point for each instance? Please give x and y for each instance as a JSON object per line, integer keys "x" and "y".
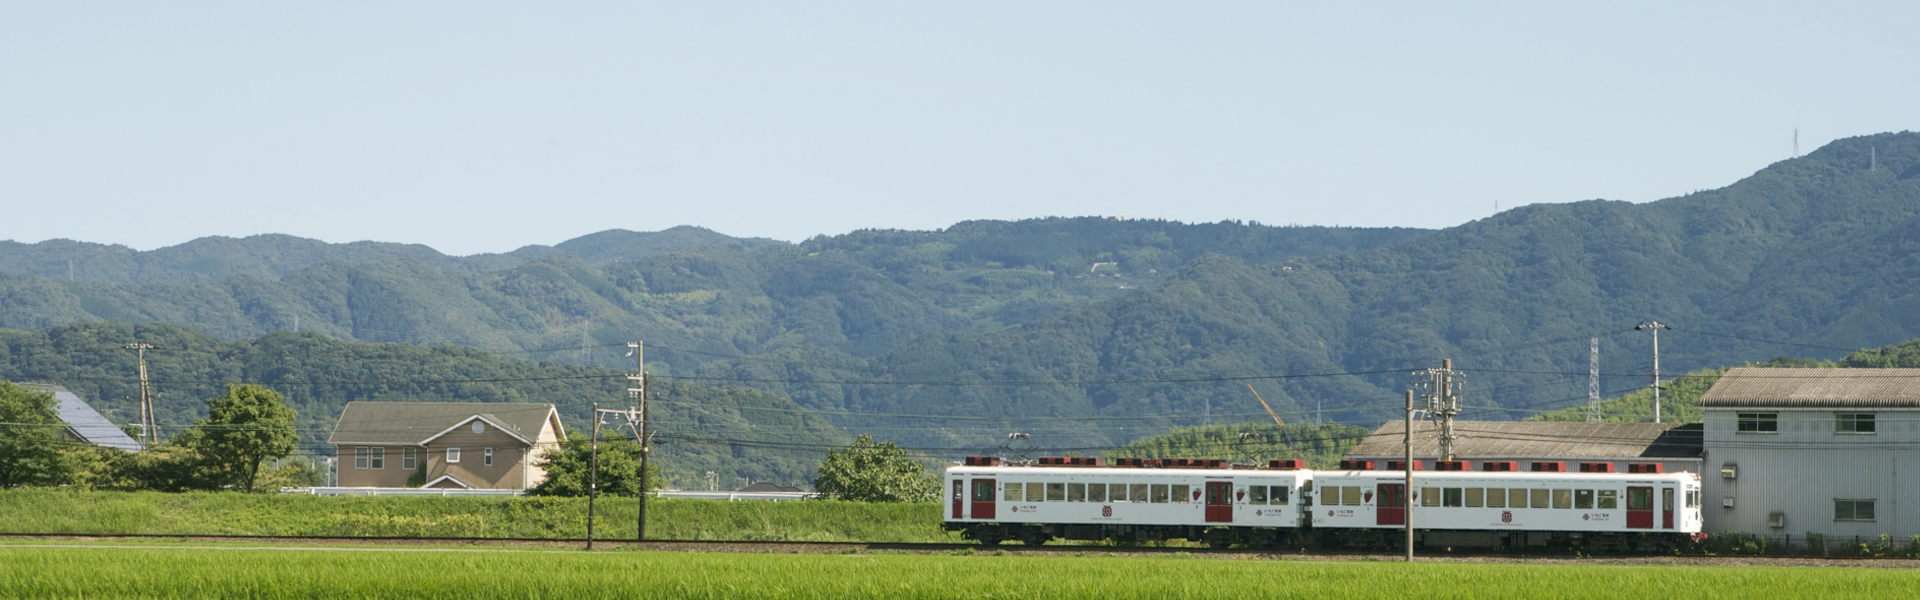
{"x": 79, "y": 512}
{"x": 188, "y": 573}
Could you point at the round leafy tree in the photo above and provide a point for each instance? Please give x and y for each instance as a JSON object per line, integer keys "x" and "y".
{"x": 875, "y": 472}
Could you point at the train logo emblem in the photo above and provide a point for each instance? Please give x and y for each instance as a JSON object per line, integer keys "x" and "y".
{"x": 1016, "y": 509}
{"x": 1506, "y": 516}
{"x": 1196, "y": 495}
{"x": 1106, "y": 510}
{"x": 1367, "y": 497}
{"x": 1240, "y": 495}
{"x": 1587, "y": 517}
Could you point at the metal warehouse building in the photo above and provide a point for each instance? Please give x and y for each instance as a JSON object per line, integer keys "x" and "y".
{"x": 1794, "y": 451}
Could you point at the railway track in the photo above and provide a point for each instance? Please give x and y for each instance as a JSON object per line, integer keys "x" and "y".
{"x": 798, "y": 547}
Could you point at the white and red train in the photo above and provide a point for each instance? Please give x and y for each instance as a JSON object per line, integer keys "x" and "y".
{"x": 1358, "y": 506}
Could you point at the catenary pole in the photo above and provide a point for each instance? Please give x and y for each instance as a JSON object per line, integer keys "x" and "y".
{"x": 1406, "y": 493}
{"x": 1655, "y": 326}
{"x": 644, "y": 437}
{"x": 593, "y": 474}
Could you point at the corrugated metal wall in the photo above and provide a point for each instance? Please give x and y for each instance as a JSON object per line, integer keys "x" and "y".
{"x": 1801, "y": 469}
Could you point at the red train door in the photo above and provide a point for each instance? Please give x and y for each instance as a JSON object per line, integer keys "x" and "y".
{"x": 1666, "y": 508}
{"x": 982, "y": 498}
{"x": 1219, "y": 502}
{"x": 959, "y": 498}
{"x": 1392, "y": 509}
{"x": 1640, "y": 508}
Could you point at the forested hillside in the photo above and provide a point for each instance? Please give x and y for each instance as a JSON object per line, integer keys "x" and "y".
{"x": 736, "y": 431}
{"x": 1088, "y": 332}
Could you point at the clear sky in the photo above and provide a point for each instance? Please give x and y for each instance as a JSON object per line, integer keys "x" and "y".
{"x": 482, "y": 128}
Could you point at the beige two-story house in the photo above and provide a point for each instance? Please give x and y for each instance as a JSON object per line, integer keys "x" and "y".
{"x": 465, "y": 445}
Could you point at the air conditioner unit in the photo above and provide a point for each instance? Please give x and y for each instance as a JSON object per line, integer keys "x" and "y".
{"x": 1777, "y": 520}
{"x": 1729, "y": 471}
{"x": 1727, "y": 502}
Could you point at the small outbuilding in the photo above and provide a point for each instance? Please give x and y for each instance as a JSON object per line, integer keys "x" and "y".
{"x": 449, "y": 445}
{"x": 83, "y": 422}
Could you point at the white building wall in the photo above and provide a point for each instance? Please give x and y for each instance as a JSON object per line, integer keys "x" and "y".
{"x": 1801, "y": 469}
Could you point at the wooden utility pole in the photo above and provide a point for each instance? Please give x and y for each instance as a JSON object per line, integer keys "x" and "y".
{"x": 149, "y": 425}
{"x": 1406, "y": 493}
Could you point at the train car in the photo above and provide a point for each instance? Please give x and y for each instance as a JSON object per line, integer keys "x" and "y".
{"x": 992, "y": 503}
{"x": 1611, "y": 511}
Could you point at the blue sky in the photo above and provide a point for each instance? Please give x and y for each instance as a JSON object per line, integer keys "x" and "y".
{"x": 476, "y": 127}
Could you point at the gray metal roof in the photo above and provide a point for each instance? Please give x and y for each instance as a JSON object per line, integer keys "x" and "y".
{"x": 412, "y": 423}
{"x": 1779, "y": 387}
{"x": 1500, "y": 439}
{"x": 85, "y": 422}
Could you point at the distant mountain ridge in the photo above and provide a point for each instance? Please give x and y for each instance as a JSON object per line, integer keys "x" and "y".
{"x": 273, "y": 256}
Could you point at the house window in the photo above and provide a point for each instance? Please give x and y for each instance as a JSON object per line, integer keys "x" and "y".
{"x": 379, "y": 460}
{"x": 1853, "y": 423}
{"x": 360, "y": 457}
{"x": 453, "y": 455}
{"x": 1853, "y": 510}
{"x": 1759, "y": 422}
{"x": 408, "y": 458}
{"x": 487, "y": 457}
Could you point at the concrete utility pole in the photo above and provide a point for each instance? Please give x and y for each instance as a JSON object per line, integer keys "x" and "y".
{"x": 1593, "y": 380}
{"x": 1406, "y": 493}
{"x": 149, "y": 425}
{"x": 644, "y": 436}
{"x": 1654, "y": 326}
{"x": 1443, "y": 400}
{"x": 593, "y": 474}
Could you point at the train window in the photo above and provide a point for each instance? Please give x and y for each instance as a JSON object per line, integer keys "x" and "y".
{"x": 1180, "y": 494}
{"x": 1583, "y": 499}
{"x": 1014, "y": 492}
{"x": 1278, "y": 495}
{"x": 1516, "y": 498}
{"x": 1563, "y": 498}
{"x": 1639, "y": 498}
{"x": 1056, "y": 492}
{"x": 1138, "y": 492}
{"x": 1537, "y": 498}
{"x": 1350, "y": 496}
{"x": 1329, "y": 495}
{"x": 1475, "y": 495}
{"x": 1257, "y": 494}
{"x": 1096, "y": 492}
{"x": 1609, "y": 499}
{"x": 1076, "y": 492}
{"x": 1693, "y": 498}
{"x": 1429, "y": 496}
{"x": 1159, "y": 493}
{"x": 1035, "y": 493}
{"x": 1451, "y": 497}
{"x": 1118, "y": 493}
{"x": 1496, "y": 497}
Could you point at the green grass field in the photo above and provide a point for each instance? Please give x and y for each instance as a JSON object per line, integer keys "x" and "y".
{"x": 185, "y": 573}
{"x": 80, "y": 512}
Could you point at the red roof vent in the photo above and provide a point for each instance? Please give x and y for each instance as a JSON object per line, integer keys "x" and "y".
{"x": 1500, "y": 465}
{"x": 1596, "y": 467}
{"x": 1550, "y": 467}
{"x": 1449, "y": 465}
{"x": 1401, "y": 465}
{"x": 1646, "y": 468}
{"x": 1289, "y": 464}
{"x": 1356, "y": 465}
{"x": 983, "y": 461}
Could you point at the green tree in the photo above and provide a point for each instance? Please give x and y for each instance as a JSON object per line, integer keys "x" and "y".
{"x": 29, "y": 438}
{"x": 567, "y": 468}
{"x": 875, "y": 472}
{"x": 248, "y": 425}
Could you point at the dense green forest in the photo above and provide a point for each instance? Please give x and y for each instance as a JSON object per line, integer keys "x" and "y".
{"x": 1680, "y": 396}
{"x": 738, "y": 432}
{"x": 1090, "y": 332}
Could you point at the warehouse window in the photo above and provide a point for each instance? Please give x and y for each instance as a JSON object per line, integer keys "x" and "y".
{"x": 409, "y": 458}
{"x": 1853, "y": 423}
{"x": 1496, "y": 497}
{"x": 1609, "y": 499}
{"x": 360, "y": 457}
{"x": 1014, "y": 493}
{"x": 1076, "y": 492}
{"x": 1759, "y": 422}
{"x": 1853, "y": 510}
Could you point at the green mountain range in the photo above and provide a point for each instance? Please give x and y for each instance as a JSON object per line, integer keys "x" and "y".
{"x": 1088, "y": 332}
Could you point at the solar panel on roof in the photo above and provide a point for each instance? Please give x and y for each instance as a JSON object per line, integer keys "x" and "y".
{"x": 88, "y": 423}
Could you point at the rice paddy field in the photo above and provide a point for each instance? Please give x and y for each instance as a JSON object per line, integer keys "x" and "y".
{"x": 41, "y": 510}
{"x": 83, "y": 572}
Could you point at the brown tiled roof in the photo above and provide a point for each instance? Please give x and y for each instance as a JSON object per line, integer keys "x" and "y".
{"x": 1790, "y": 387}
{"x": 402, "y": 423}
{"x": 1477, "y": 439}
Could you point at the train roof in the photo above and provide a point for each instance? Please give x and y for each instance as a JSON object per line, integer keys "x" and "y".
{"x": 1127, "y": 471}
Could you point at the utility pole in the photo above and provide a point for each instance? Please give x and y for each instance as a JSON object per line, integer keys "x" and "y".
{"x": 1593, "y": 380}
{"x": 1443, "y": 400}
{"x": 1655, "y": 327}
{"x": 1406, "y": 493}
{"x": 644, "y": 436}
{"x": 593, "y": 474}
{"x": 149, "y": 426}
